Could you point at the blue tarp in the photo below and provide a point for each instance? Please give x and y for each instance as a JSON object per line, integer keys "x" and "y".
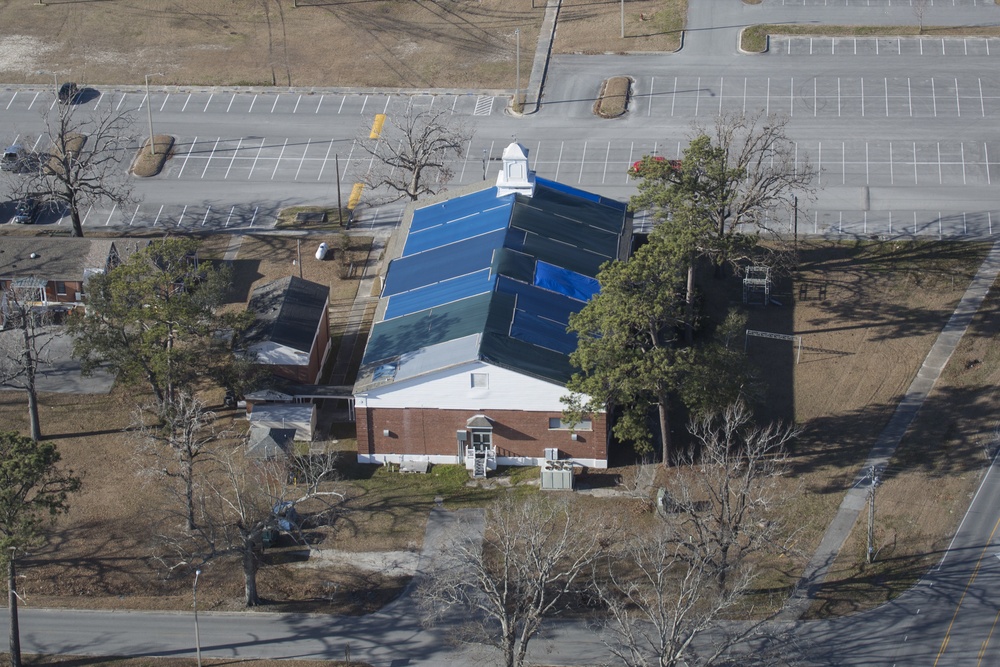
{"x": 564, "y": 281}
{"x": 451, "y": 231}
{"x": 440, "y": 293}
{"x": 537, "y": 300}
{"x": 436, "y": 214}
{"x": 433, "y": 266}
{"x": 542, "y": 332}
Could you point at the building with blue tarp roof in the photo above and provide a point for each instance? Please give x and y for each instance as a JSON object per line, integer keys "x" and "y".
{"x": 469, "y": 354}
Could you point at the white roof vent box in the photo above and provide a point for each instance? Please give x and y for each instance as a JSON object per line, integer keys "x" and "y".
{"x": 515, "y": 177}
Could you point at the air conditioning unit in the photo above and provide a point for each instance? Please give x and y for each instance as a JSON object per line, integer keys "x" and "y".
{"x": 551, "y": 454}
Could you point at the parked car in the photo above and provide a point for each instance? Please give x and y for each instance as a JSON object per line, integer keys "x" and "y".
{"x": 68, "y": 92}
{"x": 637, "y": 165}
{"x": 13, "y": 158}
{"x": 26, "y": 211}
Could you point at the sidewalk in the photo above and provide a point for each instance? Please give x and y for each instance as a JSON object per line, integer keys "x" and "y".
{"x": 840, "y": 528}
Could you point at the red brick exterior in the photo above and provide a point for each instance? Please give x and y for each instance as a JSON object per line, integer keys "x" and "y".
{"x": 431, "y": 432}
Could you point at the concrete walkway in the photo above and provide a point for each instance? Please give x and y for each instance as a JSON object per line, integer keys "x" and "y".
{"x": 840, "y": 528}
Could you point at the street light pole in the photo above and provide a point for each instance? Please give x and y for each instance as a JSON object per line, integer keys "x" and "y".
{"x": 197, "y": 639}
{"x": 149, "y": 113}
{"x": 15, "y": 631}
{"x": 517, "y": 94}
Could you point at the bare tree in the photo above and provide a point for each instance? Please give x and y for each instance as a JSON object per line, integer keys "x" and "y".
{"x": 23, "y": 348}
{"x": 660, "y": 602}
{"x": 410, "y": 156}
{"x": 725, "y": 498}
{"x": 241, "y": 500}
{"x": 533, "y": 555}
{"x": 175, "y": 434}
{"x": 86, "y": 163}
{"x": 919, "y": 8}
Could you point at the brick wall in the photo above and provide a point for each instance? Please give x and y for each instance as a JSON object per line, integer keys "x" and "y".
{"x": 429, "y": 432}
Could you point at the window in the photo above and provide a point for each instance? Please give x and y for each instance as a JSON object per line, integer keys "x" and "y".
{"x": 480, "y": 380}
{"x": 60, "y": 288}
{"x": 557, "y": 424}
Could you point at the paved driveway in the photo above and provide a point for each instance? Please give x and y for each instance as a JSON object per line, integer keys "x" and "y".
{"x": 61, "y": 374}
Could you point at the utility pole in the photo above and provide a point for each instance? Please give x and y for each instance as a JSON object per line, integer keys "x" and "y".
{"x": 873, "y": 476}
{"x": 340, "y": 203}
{"x": 197, "y": 636}
{"x": 795, "y": 220}
{"x": 517, "y": 95}
{"x": 15, "y": 631}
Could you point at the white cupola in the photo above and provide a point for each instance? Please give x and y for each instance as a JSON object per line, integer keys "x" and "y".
{"x": 515, "y": 177}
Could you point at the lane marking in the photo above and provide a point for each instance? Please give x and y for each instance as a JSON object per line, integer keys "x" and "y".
{"x": 205, "y": 219}
{"x": 181, "y": 219}
{"x": 230, "y": 217}
{"x": 135, "y": 213}
{"x": 231, "y": 103}
{"x": 583, "y": 161}
{"x": 252, "y": 219}
{"x": 233, "y": 159}
{"x": 275, "y": 105}
{"x": 165, "y": 101}
{"x": 277, "y": 162}
{"x": 252, "y": 102}
{"x": 308, "y": 142}
{"x": 188, "y": 155}
{"x": 256, "y": 157}
{"x": 975, "y": 572}
{"x": 326, "y": 159}
{"x": 297, "y": 104}
{"x": 210, "y": 96}
{"x": 157, "y": 218}
{"x": 108, "y": 221}
{"x": 320, "y": 103}
{"x": 184, "y": 108}
{"x": 205, "y": 170}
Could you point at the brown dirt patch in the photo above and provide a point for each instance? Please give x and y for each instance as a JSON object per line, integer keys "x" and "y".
{"x": 149, "y": 163}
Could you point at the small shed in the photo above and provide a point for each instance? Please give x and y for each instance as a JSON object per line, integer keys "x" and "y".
{"x": 266, "y": 442}
{"x": 298, "y": 416}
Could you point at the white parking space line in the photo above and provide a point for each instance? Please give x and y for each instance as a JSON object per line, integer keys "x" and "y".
{"x": 326, "y": 158}
{"x": 134, "y": 213}
{"x": 649, "y": 107}
{"x": 744, "y": 95}
{"x": 190, "y": 150}
{"x": 14, "y": 97}
{"x": 209, "y": 161}
{"x": 843, "y": 163}
{"x": 33, "y": 101}
{"x": 885, "y": 81}
{"x": 230, "y": 217}
{"x": 364, "y": 103}
{"x": 722, "y": 83}
{"x": 165, "y": 101}
{"x": 320, "y": 103}
{"x": 233, "y": 159}
{"x": 962, "y": 145}
{"x": 986, "y": 155}
{"x": 275, "y": 105}
{"x": 256, "y": 157}
{"x": 583, "y": 161}
{"x": 673, "y": 98}
{"x": 819, "y": 164}
{"x": 862, "y": 97}
{"x": 252, "y": 102}
{"x": 934, "y": 97}
{"x": 157, "y": 218}
{"x": 791, "y": 98}
{"x": 697, "y": 96}
{"x": 940, "y": 178}
{"x": 35, "y": 147}
{"x": 277, "y": 162}
{"x": 915, "y": 179}
{"x": 982, "y": 102}
{"x": 631, "y": 150}
{"x": 909, "y": 96}
{"x": 296, "y": 108}
{"x": 303, "y": 159}
{"x": 559, "y": 160}
{"x": 892, "y": 178}
{"x": 205, "y": 219}
{"x": 867, "y": 178}
{"x": 465, "y": 162}
{"x": 387, "y": 100}
{"x": 143, "y": 101}
{"x": 838, "y": 96}
{"x": 230, "y": 106}
{"x": 767, "y": 98}
{"x": 108, "y": 221}
{"x": 184, "y": 108}
{"x": 256, "y": 208}
{"x": 98, "y": 102}
{"x": 341, "y": 107}
{"x": 607, "y": 155}
{"x": 87, "y": 215}
{"x": 183, "y": 213}
{"x": 210, "y": 96}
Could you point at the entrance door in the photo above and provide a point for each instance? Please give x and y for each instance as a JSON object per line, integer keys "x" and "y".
{"x": 482, "y": 439}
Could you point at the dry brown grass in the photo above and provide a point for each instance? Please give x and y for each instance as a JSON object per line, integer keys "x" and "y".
{"x": 149, "y": 163}
{"x": 612, "y": 101}
{"x": 586, "y": 26}
{"x": 395, "y": 43}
